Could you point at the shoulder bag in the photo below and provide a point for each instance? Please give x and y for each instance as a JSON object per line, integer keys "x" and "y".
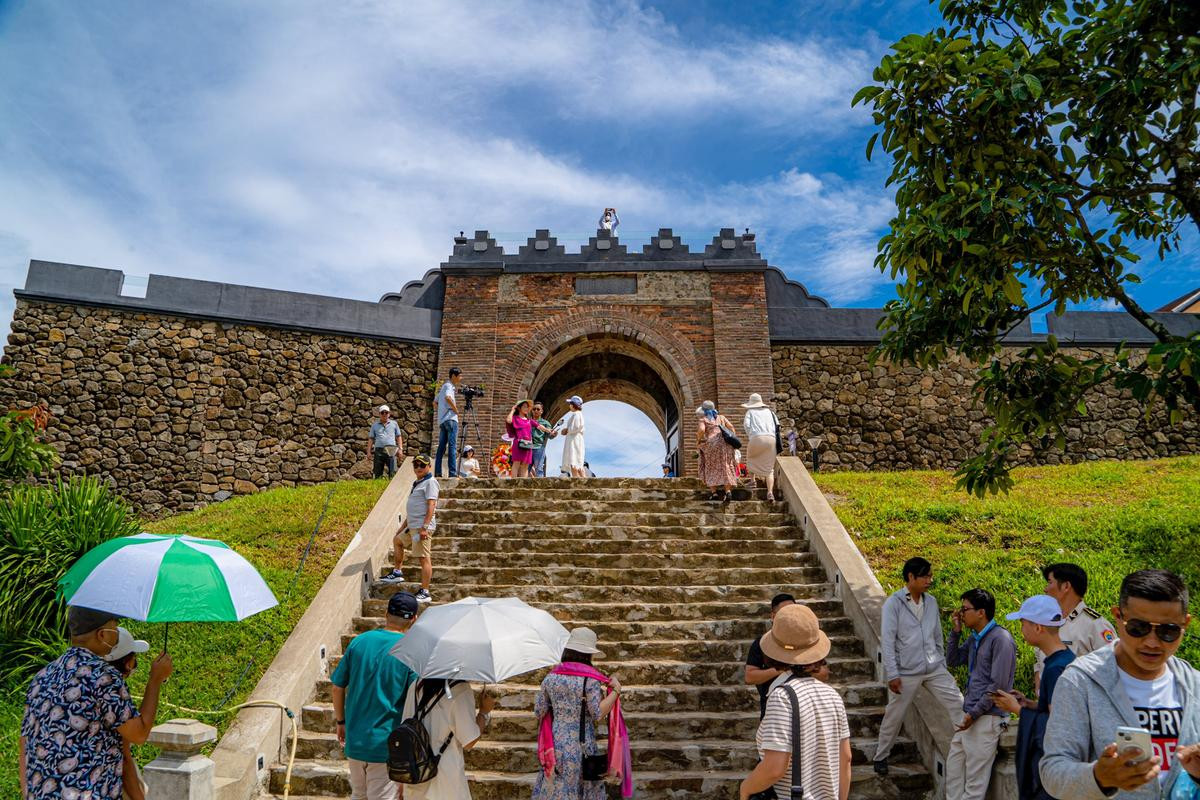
{"x": 730, "y": 437}
{"x": 594, "y": 767}
{"x": 778, "y": 437}
{"x": 797, "y": 789}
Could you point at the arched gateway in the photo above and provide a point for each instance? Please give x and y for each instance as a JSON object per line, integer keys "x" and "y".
{"x": 662, "y": 330}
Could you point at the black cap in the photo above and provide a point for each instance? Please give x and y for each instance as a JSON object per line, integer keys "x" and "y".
{"x": 403, "y": 605}
{"x": 421, "y": 461}
{"x": 82, "y": 621}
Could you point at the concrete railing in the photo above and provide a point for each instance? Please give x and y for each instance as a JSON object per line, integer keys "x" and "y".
{"x": 255, "y": 739}
{"x": 862, "y": 596}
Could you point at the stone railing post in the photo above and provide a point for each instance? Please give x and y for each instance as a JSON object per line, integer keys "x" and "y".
{"x": 180, "y": 772}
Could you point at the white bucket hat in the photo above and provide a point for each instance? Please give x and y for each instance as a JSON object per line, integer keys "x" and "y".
{"x": 583, "y": 640}
{"x": 755, "y": 401}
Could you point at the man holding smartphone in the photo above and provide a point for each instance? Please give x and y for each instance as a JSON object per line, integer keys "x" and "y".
{"x": 1136, "y": 684}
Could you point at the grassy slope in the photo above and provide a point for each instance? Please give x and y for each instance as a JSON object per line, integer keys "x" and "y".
{"x": 270, "y": 529}
{"x": 1110, "y": 517}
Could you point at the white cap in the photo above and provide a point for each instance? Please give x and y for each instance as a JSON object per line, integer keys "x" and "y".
{"x": 1041, "y": 609}
{"x": 575, "y": 399}
{"x": 126, "y": 644}
{"x": 383, "y": 409}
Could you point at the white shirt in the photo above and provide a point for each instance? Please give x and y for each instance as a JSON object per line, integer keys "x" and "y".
{"x": 469, "y": 468}
{"x": 823, "y": 726}
{"x": 456, "y": 713}
{"x": 1160, "y": 711}
{"x": 759, "y": 422}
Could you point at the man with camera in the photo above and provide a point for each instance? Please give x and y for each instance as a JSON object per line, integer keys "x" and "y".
{"x": 447, "y": 416}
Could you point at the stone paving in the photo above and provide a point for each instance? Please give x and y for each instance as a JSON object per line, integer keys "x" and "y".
{"x": 676, "y": 587}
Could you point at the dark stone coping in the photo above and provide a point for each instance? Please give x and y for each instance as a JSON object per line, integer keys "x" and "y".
{"x": 1111, "y": 327}
{"x": 222, "y": 302}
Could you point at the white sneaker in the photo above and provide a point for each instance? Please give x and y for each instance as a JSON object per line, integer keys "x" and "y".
{"x": 395, "y": 576}
{"x": 423, "y": 596}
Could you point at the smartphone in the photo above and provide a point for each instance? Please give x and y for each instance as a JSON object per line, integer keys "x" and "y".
{"x": 1133, "y": 744}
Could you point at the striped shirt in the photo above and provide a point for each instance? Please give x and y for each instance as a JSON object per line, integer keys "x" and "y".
{"x": 822, "y": 728}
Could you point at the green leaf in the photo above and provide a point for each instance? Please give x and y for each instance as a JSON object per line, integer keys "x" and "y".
{"x": 1013, "y": 290}
{"x": 871, "y": 144}
{"x": 1035, "y": 86}
{"x": 958, "y": 45}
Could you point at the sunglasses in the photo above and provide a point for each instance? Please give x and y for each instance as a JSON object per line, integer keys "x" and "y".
{"x": 1165, "y": 631}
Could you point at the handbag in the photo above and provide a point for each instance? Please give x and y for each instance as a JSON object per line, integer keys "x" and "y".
{"x": 730, "y": 438}
{"x": 594, "y": 768}
{"x": 525, "y": 444}
{"x": 797, "y": 789}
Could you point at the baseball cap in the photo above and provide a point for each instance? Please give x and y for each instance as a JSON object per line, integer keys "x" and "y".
{"x": 383, "y": 409}
{"x": 421, "y": 461}
{"x": 404, "y": 605}
{"x": 1041, "y": 609}
{"x": 126, "y": 644}
{"x": 82, "y": 620}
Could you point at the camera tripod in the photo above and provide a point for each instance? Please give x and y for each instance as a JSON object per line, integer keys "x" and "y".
{"x": 469, "y": 418}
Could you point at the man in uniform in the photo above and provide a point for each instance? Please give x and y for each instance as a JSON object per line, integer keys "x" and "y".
{"x": 1085, "y": 628}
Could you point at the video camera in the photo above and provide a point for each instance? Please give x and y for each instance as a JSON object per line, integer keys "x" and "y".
{"x": 471, "y": 392}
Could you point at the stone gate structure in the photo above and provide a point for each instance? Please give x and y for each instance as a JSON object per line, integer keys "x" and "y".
{"x": 197, "y": 389}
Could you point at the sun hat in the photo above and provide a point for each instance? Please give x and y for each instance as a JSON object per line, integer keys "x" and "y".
{"x": 383, "y": 409}
{"x": 82, "y": 620}
{"x": 795, "y": 637}
{"x": 583, "y": 640}
{"x": 575, "y": 400}
{"x": 1041, "y": 609}
{"x": 755, "y": 401}
{"x": 708, "y": 405}
{"x": 126, "y": 644}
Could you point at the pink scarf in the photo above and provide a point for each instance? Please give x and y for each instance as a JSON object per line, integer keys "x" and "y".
{"x": 620, "y": 760}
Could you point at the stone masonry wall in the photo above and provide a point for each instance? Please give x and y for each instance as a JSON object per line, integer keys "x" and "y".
{"x": 173, "y": 410}
{"x": 888, "y": 417}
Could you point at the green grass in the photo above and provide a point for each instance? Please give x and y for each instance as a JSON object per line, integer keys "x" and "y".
{"x": 1110, "y": 517}
{"x": 271, "y": 530}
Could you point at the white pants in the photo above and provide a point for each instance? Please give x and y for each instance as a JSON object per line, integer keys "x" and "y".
{"x": 370, "y": 781}
{"x": 969, "y": 763}
{"x": 940, "y": 683}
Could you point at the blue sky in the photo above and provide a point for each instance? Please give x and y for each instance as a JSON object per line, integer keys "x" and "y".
{"x": 338, "y": 147}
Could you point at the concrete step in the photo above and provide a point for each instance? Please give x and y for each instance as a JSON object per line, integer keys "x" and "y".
{"x": 446, "y": 591}
{"x": 331, "y": 779}
{"x": 813, "y": 595}
{"x": 713, "y": 753}
{"x": 659, "y": 698}
{"x": 579, "y": 540}
{"x": 518, "y": 518}
{"x": 538, "y": 558}
{"x": 575, "y": 484}
{"x": 451, "y": 527}
{"x": 454, "y": 505}
{"x": 565, "y": 576}
{"x": 555, "y": 489}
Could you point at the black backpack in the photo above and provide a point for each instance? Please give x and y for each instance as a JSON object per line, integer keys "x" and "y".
{"x": 411, "y": 758}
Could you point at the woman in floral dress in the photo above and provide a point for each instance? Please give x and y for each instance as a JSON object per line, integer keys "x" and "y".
{"x": 718, "y": 467}
{"x": 562, "y": 696}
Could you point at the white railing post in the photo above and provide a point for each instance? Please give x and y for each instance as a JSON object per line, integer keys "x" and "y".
{"x": 181, "y": 771}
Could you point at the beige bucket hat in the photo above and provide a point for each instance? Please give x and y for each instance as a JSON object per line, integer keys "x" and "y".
{"x": 755, "y": 401}
{"x": 795, "y": 637}
{"x": 583, "y": 640}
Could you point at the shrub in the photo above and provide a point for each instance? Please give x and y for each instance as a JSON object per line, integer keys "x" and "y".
{"x": 43, "y": 531}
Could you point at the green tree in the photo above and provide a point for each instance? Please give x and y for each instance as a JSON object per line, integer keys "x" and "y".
{"x": 22, "y": 452}
{"x": 1033, "y": 141}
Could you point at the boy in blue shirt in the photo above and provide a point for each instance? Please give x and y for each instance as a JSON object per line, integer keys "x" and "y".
{"x": 1041, "y": 617}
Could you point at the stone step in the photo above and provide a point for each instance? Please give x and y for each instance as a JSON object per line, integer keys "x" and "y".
{"x": 582, "y": 541}
{"x": 574, "y": 484}
{"x": 555, "y": 489}
{"x": 660, "y": 698}
{"x": 657, "y": 753}
{"x": 454, "y": 505}
{"x": 537, "y": 559}
{"x": 703, "y": 611}
{"x": 566, "y": 576}
{"x": 518, "y": 518}
{"x": 446, "y": 591}
{"x": 331, "y": 779}
{"x": 452, "y": 528}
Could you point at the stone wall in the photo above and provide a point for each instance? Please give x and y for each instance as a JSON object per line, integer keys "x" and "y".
{"x": 888, "y": 417}
{"x": 175, "y": 410}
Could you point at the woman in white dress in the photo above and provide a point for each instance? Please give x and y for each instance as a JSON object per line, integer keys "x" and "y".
{"x": 760, "y": 424}
{"x": 572, "y": 427}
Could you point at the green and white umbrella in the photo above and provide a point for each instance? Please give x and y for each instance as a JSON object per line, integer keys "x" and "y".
{"x": 167, "y": 578}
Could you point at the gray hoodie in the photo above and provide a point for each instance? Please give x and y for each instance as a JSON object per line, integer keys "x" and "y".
{"x": 905, "y": 641}
{"x": 1089, "y": 705}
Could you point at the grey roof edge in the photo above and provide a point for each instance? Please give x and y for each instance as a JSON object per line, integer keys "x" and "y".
{"x": 784, "y": 292}
{"x": 820, "y": 325}
{"x": 1114, "y": 327}
{"x": 73, "y": 284}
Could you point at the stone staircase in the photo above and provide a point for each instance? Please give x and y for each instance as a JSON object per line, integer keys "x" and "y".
{"x": 676, "y": 586}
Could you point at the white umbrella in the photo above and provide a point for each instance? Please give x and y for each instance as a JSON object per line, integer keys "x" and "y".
{"x": 481, "y": 639}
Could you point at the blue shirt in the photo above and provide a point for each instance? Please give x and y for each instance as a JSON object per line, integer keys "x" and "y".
{"x": 375, "y": 682}
{"x": 72, "y": 711}
{"x": 1052, "y": 670}
{"x": 385, "y": 435}
{"x": 445, "y": 412}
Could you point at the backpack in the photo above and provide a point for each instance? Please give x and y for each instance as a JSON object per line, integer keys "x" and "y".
{"x": 411, "y": 758}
